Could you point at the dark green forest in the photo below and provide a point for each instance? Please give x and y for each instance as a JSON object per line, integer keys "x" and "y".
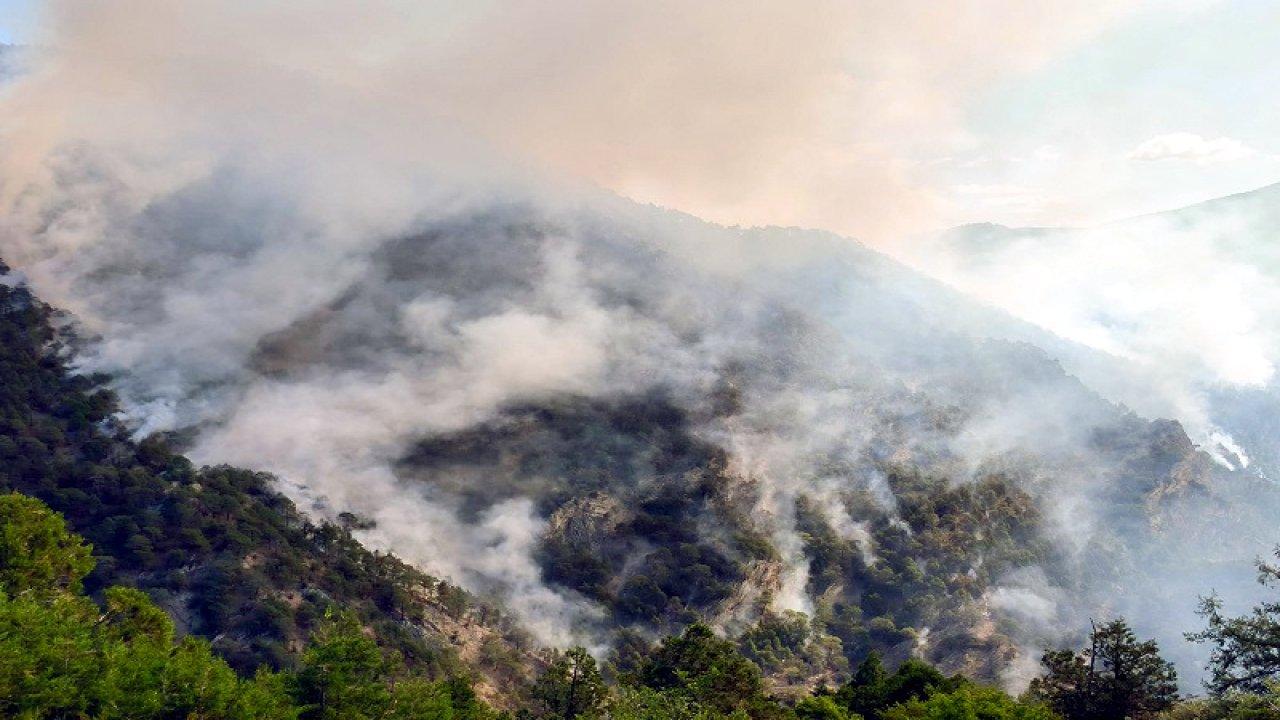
{"x": 64, "y": 654}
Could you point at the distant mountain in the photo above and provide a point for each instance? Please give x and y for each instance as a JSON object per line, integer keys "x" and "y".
{"x": 1227, "y": 254}
{"x": 1238, "y": 224}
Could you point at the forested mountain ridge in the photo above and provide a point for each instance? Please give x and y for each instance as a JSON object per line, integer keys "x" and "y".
{"x": 217, "y": 547}
{"x": 848, "y": 445}
{"x": 909, "y": 550}
{"x": 897, "y": 463}
{"x": 440, "y": 362}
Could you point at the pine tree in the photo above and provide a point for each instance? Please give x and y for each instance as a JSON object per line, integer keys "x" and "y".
{"x": 1118, "y": 676}
{"x": 1246, "y": 650}
{"x": 707, "y": 668}
{"x": 571, "y": 686}
{"x": 37, "y": 552}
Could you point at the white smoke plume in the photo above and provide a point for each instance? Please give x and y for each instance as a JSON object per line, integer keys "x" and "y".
{"x": 1188, "y": 299}
{"x": 313, "y": 239}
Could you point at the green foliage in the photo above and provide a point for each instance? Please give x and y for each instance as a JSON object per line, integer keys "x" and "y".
{"x": 865, "y": 694}
{"x": 1118, "y": 676}
{"x": 340, "y": 674}
{"x": 822, "y": 707}
{"x": 642, "y": 703}
{"x": 1234, "y": 705}
{"x": 790, "y": 648}
{"x": 969, "y": 702}
{"x": 48, "y": 656}
{"x": 1246, "y": 650}
{"x": 37, "y": 552}
{"x": 255, "y": 574}
{"x": 63, "y": 655}
{"x": 571, "y": 686}
{"x": 903, "y": 572}
{"x": 775, "y": 639}
{"x": 706, "y": 668}
{"x": 416, "y": 699}
{"x": 265, "y": 696}
{"x": 466, "y": 706}
{"x": 132, "y": 617}
{"x": 872, "y": 690}
{"x": 917, "y": 691}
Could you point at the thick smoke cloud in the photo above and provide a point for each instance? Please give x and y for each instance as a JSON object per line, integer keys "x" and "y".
{"x": 751, "y": 113}
{"x": 312, "y": 240}
{"x": 1187, "y": 298}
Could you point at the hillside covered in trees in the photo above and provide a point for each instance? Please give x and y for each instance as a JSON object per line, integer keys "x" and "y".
{"x": 248, "y": 609}
{"x": 609, "y": 360}
{"x": 650, "y": 523}
{"x": 227, "y": 557}
{"x": 66, "y": 655}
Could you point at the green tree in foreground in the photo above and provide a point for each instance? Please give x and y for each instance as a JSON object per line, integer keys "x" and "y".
{"x": 37, "y": 552}
{"x": 64, "y": 656}
{"x": 1246, "y": 650}
{"x": 822, "y": 707}
{"x": 970, "y": 702}
{"x": 341, "y": 673}
{"x": 872, "y": 690}
{"x": 571, "y": 686}
{"x": 1117, "y": 677}
{"x": 708, "y": 669}
{"x": 61, "y": 655}
{"x": 648, "y": 704}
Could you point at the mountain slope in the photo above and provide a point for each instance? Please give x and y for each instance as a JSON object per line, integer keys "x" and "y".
{"x": 1188, "y": 295}
{"x": 833, "y": 434}
{"x": 217, "y": 547}
{"x": 611, "y": 420}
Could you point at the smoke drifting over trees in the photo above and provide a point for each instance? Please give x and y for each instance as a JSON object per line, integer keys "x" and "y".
{"x": 608, "y": 416}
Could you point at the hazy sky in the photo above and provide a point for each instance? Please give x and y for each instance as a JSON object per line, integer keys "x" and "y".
{"x": 15, "y": 19}
{"x": 1160, "y": 110}
{"x": 872, "y": 119}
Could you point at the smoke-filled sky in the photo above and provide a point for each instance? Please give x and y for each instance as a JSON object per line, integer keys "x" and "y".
{"x": 16, "y": 17}
{"x": 876, "y": 120}
{"x": 321, "y": 233}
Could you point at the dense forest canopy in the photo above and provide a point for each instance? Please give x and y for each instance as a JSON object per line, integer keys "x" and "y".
{"x": 66, "y": 655}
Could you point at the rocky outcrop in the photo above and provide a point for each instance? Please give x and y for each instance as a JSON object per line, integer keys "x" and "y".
{"x": 586, "y": 521}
